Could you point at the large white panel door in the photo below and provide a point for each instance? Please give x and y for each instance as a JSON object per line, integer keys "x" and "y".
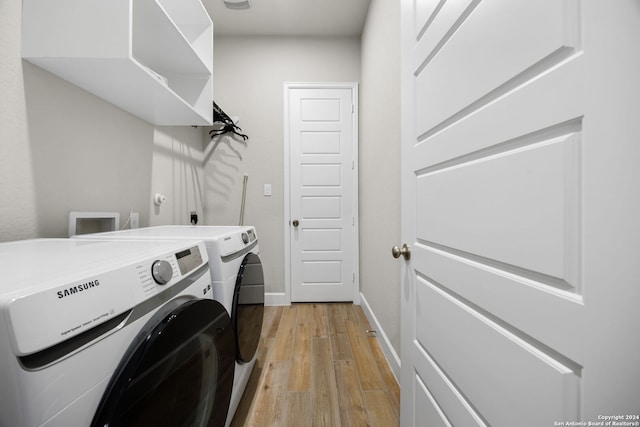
{"x": 520, "y": 205}
{"x": 322, "y": 136}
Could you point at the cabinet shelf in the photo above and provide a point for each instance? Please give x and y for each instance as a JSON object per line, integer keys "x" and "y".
{"x": 153, "y": 58}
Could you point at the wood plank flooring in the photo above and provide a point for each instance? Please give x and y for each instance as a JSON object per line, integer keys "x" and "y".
{"x": 318, "y": 366}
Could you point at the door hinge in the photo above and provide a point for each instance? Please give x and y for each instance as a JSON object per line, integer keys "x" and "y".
{"x": 354, "y": 278}
{"x": 353, "y": 108}
{"x": 353, "y": 164}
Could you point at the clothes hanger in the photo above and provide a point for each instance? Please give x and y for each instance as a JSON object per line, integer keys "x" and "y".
{"x": 219, "y": 116}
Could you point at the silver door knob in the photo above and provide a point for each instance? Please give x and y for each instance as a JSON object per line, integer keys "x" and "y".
{"x": 405, "y": 251}
{"x": 295, "y": 223}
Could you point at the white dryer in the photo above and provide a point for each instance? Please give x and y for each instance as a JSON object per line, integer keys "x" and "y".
{"x": 101, "y": 332}
{"x": 238, "y": 283}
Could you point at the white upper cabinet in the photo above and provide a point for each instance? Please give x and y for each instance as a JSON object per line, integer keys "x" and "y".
{"x": 153, "y": 58}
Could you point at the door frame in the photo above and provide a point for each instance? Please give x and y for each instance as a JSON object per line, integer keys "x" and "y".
{"x": 287, "y": 87}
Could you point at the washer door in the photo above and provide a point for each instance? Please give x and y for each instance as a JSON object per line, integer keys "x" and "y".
{"x": 248, "y": 307}
{"x": 178, "y": 371}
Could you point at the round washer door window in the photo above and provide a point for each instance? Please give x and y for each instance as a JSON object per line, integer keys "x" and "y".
{"x": 248, "y": 307}
{"x": 178, "y": 372}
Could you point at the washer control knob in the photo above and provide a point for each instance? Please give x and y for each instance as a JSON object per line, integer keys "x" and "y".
{"x": 245, "y": 238}
{"x": 161, "y": 272}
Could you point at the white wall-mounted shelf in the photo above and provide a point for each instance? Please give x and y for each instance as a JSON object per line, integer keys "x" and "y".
{"x": 153, "y": 58}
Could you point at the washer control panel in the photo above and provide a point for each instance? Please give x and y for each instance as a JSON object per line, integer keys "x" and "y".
{"x": 237, "y": 241}
{"x": 94, "y": 281}
{"x": 249, "y": 236}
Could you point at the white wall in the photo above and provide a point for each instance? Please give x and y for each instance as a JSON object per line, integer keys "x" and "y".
{"x": 178, "y": 174}
{"x": 380, "y": 167}
{"x": 63, "y": 149}
{"x": 17, "y": 201}
{"x": 249, "y": 73}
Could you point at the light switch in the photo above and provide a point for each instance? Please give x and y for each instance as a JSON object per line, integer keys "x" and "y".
{"x": 267, "y": 189}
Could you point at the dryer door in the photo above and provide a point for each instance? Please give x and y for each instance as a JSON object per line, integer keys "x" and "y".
{"x": 178, "y": 372}
{"x": 248, "y": 307}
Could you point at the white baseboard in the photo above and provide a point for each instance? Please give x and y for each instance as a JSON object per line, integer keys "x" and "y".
{"x": 385, "y": 344}
{"x": 276, "y": 298}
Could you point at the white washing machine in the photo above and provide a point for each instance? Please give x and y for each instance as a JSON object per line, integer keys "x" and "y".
{"x": 102, "y": 332}
{"x": 238, "y": 283}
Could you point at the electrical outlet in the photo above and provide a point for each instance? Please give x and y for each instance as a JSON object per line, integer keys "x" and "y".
{"x": 134, "y": 220}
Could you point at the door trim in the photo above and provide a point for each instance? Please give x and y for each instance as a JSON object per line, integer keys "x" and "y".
{"x": 287, "y": 87}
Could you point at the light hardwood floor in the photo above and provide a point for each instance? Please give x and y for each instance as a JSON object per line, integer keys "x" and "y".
{"x": 318, "y": 366}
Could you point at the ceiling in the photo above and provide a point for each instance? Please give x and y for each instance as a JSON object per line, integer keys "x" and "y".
{"x": 290, "y": 18}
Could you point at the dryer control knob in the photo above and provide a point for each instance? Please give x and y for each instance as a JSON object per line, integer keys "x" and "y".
{"x": 245, "y": 238}
{"x": 161, "y": 272}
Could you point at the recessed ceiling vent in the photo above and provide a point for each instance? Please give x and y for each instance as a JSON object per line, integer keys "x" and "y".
{"x": 237, "y": 4}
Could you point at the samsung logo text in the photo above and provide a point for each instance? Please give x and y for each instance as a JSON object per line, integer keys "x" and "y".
{"x": 78, "y": 288}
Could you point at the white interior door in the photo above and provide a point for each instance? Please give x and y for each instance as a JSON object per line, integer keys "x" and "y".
{"x": 521, "y": 208}
{"x": 322, "y": 136}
